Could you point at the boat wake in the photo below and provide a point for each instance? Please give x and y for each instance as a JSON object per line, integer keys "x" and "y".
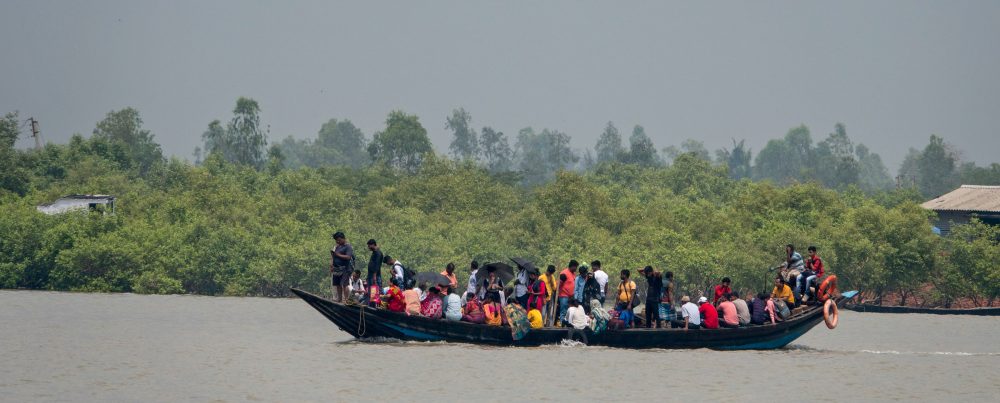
{"x": 798, "y": 347}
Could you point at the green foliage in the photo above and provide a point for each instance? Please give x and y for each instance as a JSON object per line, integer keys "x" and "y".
{"x": 243, "y": 141}
{"x": 228, "y": 227}
{"x": 402, "y": 144}
{"x": 465, "y": 145}
{"x": 609, "y": 145}
{"x": 124, "y": 128}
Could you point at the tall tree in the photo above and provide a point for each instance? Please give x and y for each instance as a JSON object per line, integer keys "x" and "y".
{"x": 125, "y": 127}
{"x": 689, "y": 146}
{"x": 609, "y": 145}
{"x": 402, "y": 144}
{"x": 348, "y": 140}
{"x": 216, "y": 140}
{"x": 247, "y": 139}
{"x": 543, "y": 154}
{"x": 834, "y": 162}
{"x": 873, "y": 175}
{"x": 495, "y": 150}
{"x": 465, "y": 145}
{"x": 737, "y": 160}
{"x": 641, "y": 149}
{"x": 785, "y": 160}
{"x": 937, "y": 168}
{"x": 10, "y": 130}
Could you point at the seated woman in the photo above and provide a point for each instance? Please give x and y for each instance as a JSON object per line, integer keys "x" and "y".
{"x": 473, "y": 311}
{"x": 394, "y": 299}
{"x": 412, "y": 297}
{"x": 493, "y": 311}
{"x": 452, "y": 305}
{"x": 431, "y": 305}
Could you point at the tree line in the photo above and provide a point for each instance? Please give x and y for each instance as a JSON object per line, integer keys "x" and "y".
{"x": 252, "y": 218}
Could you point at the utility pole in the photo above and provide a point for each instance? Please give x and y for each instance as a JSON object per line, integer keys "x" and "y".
{"x": 36, "y": 133}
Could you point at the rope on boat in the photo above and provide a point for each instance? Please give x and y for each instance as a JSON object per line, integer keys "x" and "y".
{"x": 362, "y": 326}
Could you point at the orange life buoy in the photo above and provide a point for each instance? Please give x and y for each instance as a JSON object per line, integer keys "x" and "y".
{"x": 830, "y": 314}
{"x": 828, "y": 288}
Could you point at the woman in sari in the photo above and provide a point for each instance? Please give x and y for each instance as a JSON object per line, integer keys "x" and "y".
{"x": 493, "y": 311}
{"x": 473, "y": 311}
{"x": 394, "y": 299}
{"x": 431, "y": 305}
{"x": 601, "y": 317}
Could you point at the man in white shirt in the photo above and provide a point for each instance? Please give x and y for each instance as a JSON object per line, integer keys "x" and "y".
{"x": 601, "y": 277}
{"x": 579, "y": 320}
{"x": 692, "y": 318}
{"x": 397, "y": 268}
{"x": 472, "y": 287}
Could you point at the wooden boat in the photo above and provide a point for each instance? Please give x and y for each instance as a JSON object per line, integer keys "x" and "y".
{"x": 988, "y": 311}
{"x": 364, "y": 322}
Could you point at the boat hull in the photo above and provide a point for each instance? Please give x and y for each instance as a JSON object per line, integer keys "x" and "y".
{"x": 363, "y": 322}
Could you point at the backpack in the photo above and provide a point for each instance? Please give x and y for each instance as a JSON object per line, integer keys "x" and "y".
{"x": 408, "y": 276}
{"x": 781, "y": 308}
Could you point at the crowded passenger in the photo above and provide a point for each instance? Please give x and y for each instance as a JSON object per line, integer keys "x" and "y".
{"x": 580, "y": 282}
{"x": 549, "y": 279}
{"x": 567, "y": 283}
{"x": 431, "y": 306}
{"x": 452, "y": 305}
{"x": 813, "y": 271}
{"x": 537, "y": 292}
{"x": 472, "y": 312}
{"x": 721, "y": 290}
{"x": 626, "y": 299}
{"x": 535, "y": 318}
{"x": 356, "y": 288}
{"x": 492, "y": 310}
{"x": 601, "y": 278}
{"x": 667, "y": 313}
{"x": 783, "y": 292}
{"x": 709, "y": 316}
{"x": 341, "y": 265}
{"x": 578, "y": 320}
{"x": 521, "y": 285}
{"x": 742, "y": 310}
{"x": 412, "y": 297}
{"x": 472, "y": 286}
{"x": 690, "y": 314}
{"x": 394, "y": 299}
{"x": 449, "y": 272}
{"x": 727, "y": 312}
{"x": 492, "y": 285}
{"x": 654, "y": 292}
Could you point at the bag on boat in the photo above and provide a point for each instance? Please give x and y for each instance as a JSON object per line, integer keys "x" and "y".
{"x": 781, "y": 308}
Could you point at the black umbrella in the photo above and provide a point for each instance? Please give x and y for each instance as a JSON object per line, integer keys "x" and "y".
{"x": 503, "y": 270}
{"x": 434, "y": 279}
{"x": 524, "y": 264}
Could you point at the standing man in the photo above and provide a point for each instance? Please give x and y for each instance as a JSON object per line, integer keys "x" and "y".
{"x": 449, "y": 271}
{"x": 626, "y": 298}
{"x": 341, "y": 266}
{"x": 567, "y": 284}
{"x": 581, "y": 281}
{"x": 521, "y": 286}
{"x": 654, "y": 291}
{"x": 375, "y": 264}
{"x": 602, "y": 279}
{"x": 397, "y": 268}
{"x": 472, "y": 286}
{"x": 549, "y": 278}
{"x": 667, "y": 312}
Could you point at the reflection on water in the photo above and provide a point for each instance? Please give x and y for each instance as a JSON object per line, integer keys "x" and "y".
{"x": 99, "y": 347}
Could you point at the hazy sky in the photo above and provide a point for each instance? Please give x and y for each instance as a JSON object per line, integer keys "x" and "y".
{"x": 893, "y": 71}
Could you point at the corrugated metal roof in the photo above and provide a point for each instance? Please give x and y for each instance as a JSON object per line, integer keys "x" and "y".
{"x": 967, "y": 198}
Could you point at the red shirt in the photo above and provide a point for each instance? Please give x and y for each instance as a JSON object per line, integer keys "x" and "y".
{"x": 817, "y": 266}
{"x": 719, "y": 291}
{"x": 711, "y": 316}
{"x": 537, "y": 301}
{"x": 395, "y": 298}
{"x": 567, "y": 287}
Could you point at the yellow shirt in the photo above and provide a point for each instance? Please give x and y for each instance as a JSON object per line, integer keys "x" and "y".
{"x": 785, "y": 294}
{"x": 550, "y": 285}
{"x": 626, "y": 292}
{"x": 535, "y": 318}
